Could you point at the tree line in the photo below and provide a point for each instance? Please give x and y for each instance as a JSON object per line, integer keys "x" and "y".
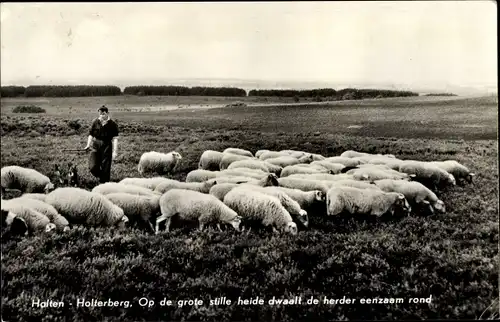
{"x": 108, "y": 90}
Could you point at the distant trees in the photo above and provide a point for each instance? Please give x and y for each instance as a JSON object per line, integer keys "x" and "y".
{"x": 343, "y": 94}
{"x": 440, "y": 94}
{"x": 12, "y": 91}
{"x": 184, "y": 91}
{"x": 71, "y": 91}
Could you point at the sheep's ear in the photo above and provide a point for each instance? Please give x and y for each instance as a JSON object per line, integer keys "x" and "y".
{"x": 215, "y": 182}
{"x": 426, "y": 202}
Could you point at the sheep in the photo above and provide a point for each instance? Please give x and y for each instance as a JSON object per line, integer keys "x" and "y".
{"x": 295, "y": 153}
{"x": 238, "y": 151}
{"x": 274, "y": 154}
{"x": 364, "y": 201}
{"x": 80, "y": 206}
{"x": 260, "y": 152}
{"x": 159, "y": 163}
{"x": 201, "y": 175}
{"x": 348, "y": 162}
{"x": 44, "y": 208}
{"x": 317, "y": 157}
{"x": 305, "y": 199}
{"x": 303, "y": 184}
{"x": 456, "y": 169}
{"x": 285, "y": 161}
{"x": 36, "y": 221}
{"x": 210, "y": 160}
{"x": 391, "y": 163}
{"x": 37, "y": 196}
{"x": 300, "y": 168}
{"x": 12, "y": 225}
{"x": 234, "y": 179}
{"x": 221, "y": 188}
{"x": 322, "y": 176}
{"x": 203, "y": 187}
{"x": 244, "y": 172}
{"x": 355, "y": 184}
{"x": 428, "y": 174}
{"x": 256, "y": 164}
{"x": 189, "y": 204}
{"x": 292, "y": 206}
{"x": 148, "y": 183}
{"x": 24, "y": 179}
{"x": 355, "y": 154}
{"x": 327, "y": 165}
{"x": 376, "y": 173}
{"x": 255, "y": 205}
{"x": 113, "y": 187}
{"x": 228, "y": 158}
{"x": 140, "y": 210}
{"x": 415, "y": 192}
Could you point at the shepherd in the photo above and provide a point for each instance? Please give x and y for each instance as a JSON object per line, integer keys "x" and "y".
{"x": 102, "y": 143}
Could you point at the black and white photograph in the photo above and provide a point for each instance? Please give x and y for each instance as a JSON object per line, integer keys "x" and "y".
{"x": 249, "y": 161}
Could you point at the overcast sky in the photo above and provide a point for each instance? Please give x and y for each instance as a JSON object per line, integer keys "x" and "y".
{"x": 413, "y": 43}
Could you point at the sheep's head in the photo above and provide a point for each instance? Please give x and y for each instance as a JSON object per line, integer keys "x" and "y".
{"x": 122, "y": 223}
{"x": 67, "y": 228}
{"x": 308, "y": 158}
{"x": 48, "y": 187}
{"x": 15, "y": 225}
{"x": 320, "y": 196}
{"x": 236, "y": 222}
{"x": 303, "y": 218}
{"x": 402, "y": 204}
{"x": 440, "y": 206}
{"x": 50, "y": 227}
{"x": 177, "y": 155}
{"x": 272, "y": 180}
{"x": 291, "y": 228}
{"x": 469, "y": 177}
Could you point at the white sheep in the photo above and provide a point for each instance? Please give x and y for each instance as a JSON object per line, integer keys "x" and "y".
{"x": 229, "y": 158}
{"x": 391, "y": 163}
{"x": 147, "y": 183}
{"x": 305, "y": 199}
{"x": 348, "y": 162}
{"x": 233, "y": 179}
{"x": 80, "y": 206}
{"x": 238, "y": 151}
{"x": 140, "y": 210}
{"x": 201, "y": 175}
{"x": 159, "y": 163}
{"x": 295, "y": 153}
{"x": 210, "y": 160}
{"x": 275, "y": 154}
{"x": 189, "y": 204}
{"x": 415, "y": 192}
{"x": 260, "y": 152}
{"x": 221, "y": 188}
{"x": 372, "y": 173}
{"x": 285, "y": 161}
{"x": 256, "y": 164}
{"x": 428, "y": 174}
{"x": 355, "y": 154}
{"x": 364, "y": 201}
{"x": 114, "y": 187}
{"x": 37, "y": 196}
{"x": 12, "y": 225}
{"x": 303, "y": 184}
{"x": 255, "y": 205}
{"x": 36, "y": 221}
{"x": 355, "y": 184}
{"x": 301, "y": 169}
{"x": 459, "y": 171}
{"x": 244, "y": 172}
{"x": 203, "y": 187}
{"x": 322, "y": 176}
{"x": 42, "y": 207}
{"x": 24, "y": 179}
{"x": 327, "y": 165}
{"x": 292, "y": 206}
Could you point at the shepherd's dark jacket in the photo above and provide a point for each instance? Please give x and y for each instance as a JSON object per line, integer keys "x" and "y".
{"x": 101, "y": 153}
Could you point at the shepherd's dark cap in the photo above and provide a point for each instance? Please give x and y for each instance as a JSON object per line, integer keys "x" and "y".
{"x": 103, "y": 109}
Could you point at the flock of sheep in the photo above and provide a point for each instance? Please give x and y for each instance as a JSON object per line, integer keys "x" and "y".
{"x": 275, "y": 189}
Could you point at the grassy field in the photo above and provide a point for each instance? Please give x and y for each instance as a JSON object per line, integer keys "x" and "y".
{"x": 451, "y": 257}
